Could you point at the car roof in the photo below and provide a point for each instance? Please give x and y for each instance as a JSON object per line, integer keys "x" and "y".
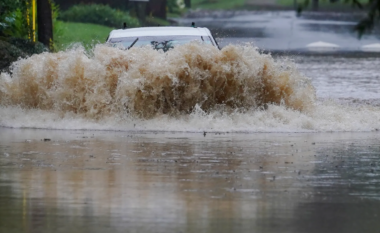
{"x": 159, "y": 31}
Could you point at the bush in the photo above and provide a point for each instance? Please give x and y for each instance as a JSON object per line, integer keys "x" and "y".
{"x": 176, "y": 6}
{"x": 16, "y": 25}
{"x": 27, "y": 46}
{"x": 12, "y": 49}
{"x": 8, "y": 54}
{"x": 98, "y": 14}
{"x": 6, "y": 7}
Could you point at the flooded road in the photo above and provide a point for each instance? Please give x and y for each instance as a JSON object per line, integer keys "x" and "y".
{"x": 354, "y": 76}
{"x": 283, "y": 30}
{"x": 75, "y": 156}
{"x": 175, "y": 182}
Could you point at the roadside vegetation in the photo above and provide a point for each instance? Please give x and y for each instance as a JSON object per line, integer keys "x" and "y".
{"x": 217, "y": 4}
{"x": 289, "y": 4}
{"x": 340, "y": 5}
{"x": 91, "y": 23}
{"x": 86, "y": 34}
{"x": 98, "y": 14}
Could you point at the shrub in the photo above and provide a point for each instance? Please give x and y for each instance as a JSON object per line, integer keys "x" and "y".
{"x": 8, "y": 54}
{"x": 18, "y": 30}
{"x": 28, "y": 47}
{"x": 7, "y": 7}
{"x": 12, "y": 49}
{"x": 176, "y": 6}
{"x": 98, "y": 14}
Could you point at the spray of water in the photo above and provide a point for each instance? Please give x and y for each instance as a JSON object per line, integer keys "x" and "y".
{"x": 145, "y": 83}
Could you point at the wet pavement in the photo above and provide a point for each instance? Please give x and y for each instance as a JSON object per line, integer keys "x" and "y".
{"x": 83, "y": 181}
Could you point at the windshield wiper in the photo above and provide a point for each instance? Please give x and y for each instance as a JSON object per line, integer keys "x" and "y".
{"x": 134, "y": 42}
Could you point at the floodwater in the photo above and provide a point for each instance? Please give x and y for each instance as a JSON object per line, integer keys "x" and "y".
{"x": 83, "y": 181}
{"x": 78, "y": 153}
{"x": 354, "y": 77}
{"x": 283, "y": 30}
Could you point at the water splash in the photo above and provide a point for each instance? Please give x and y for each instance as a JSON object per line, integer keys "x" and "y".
{"x": 142, "y": 83}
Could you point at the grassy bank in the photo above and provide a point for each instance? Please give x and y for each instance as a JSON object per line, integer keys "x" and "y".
{"x": 217, "y": 4}
{"x": 84, "y": 33}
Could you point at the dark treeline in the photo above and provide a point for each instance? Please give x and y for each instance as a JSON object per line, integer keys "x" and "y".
{"x": 155, "y": 8}
{"x": 119, "y": 4}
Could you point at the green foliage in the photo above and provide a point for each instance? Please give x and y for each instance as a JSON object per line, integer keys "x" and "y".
{"x": 57, "y": 25}
{"x": 16, "y": 30}
{"x": 7, "y": 6}
{"x": 16, "y": 25}
{"x": 84, "y": 33}
{"x": 218, "y": 4}
{"x": 7, "y": 13}
{"x": 19, "y": 22}
{"x": 8, "y": 54}
{"x": 371, "y": 6}
{"x": 12, "y": 49}
{"x": 373, "y": 15}
{"x": 175, "y": 6}
{"x": 28, "y": 47}
{"x": 98, "y": 14}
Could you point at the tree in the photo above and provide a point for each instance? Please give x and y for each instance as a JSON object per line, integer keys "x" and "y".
{"x": 157, "y": 8}
{"x": 373, "y": 9}
{"x": 371, "y": 6}
{"x": 188, "y": 3}
{"x": 7, "y": 7}
{"x": 315, "y": 5}
{"x": 45, "y": 22}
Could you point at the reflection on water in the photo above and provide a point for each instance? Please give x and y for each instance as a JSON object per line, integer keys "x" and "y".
{"x": 119, "y": 182}
{"x": 341, "y": 76}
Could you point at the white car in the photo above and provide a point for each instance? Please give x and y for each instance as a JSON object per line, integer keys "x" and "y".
{"x": 163, "y": 38}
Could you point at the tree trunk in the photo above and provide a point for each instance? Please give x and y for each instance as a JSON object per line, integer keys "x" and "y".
{"x": 141, "y": 12}
{"x": 45, "y": 23}
{"x": 315, "y": 5}
{"x": 157, "y": 8}
{"x": 188, "y": 3}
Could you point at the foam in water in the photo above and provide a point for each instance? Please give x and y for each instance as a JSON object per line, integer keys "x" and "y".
{"x": 146, "y": 83}
{"x": 191, "y": 88}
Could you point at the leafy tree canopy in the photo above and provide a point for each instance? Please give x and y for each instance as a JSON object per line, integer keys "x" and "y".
{"x": 7, "y": 7}
{"x": 373, "y": 14}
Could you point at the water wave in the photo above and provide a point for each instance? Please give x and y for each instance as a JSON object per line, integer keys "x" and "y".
{"x": 191, "y": 88}
{"x": 146, "y": 83}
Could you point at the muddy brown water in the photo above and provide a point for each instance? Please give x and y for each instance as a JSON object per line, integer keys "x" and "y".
{"x": 166, "y": 175}
{"x": 98, "y": 181}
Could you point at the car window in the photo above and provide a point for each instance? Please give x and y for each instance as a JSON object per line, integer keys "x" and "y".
{"x": 158, "y": 42}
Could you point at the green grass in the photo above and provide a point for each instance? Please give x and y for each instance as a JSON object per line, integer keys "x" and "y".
{"x": 217, "y": 4}
{"x": 84, "y": 33}
{"x": 157, "y": 21}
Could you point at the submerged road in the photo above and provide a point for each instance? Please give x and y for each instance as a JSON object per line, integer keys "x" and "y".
{"x": 282, "y": 30}
{"x": 83, "y": 181}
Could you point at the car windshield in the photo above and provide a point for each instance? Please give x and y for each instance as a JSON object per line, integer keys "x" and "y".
{"x": 158, "y": 42}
